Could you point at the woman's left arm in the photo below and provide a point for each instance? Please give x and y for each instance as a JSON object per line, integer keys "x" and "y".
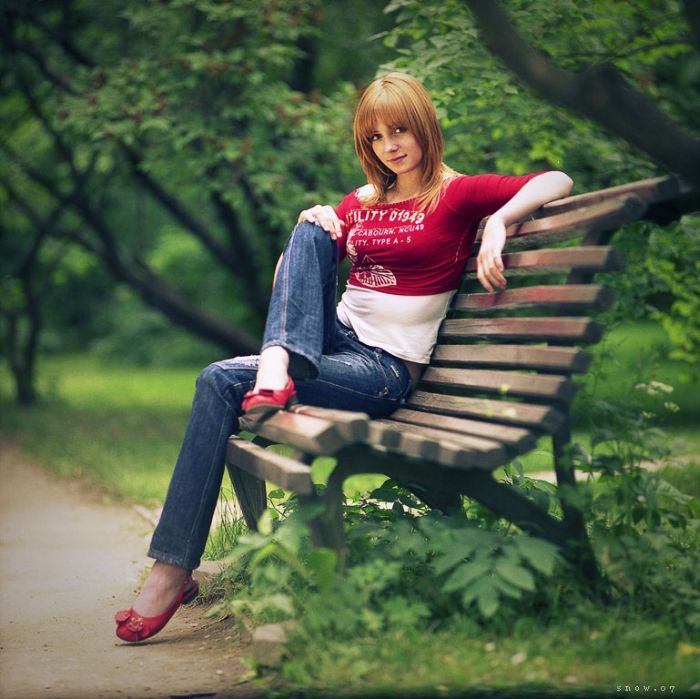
{"x": 539, "y": 190}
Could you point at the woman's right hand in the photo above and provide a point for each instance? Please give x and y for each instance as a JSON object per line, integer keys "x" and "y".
{"x": 325, "y": 217}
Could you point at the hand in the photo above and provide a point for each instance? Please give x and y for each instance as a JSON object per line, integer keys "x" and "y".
{"x": 325, "y": 217}
{"x": 489, "y": 264}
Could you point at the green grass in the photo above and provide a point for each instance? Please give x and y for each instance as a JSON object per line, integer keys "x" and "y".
{"x": 575, "y": 657}
{"x": 117, "y": 428}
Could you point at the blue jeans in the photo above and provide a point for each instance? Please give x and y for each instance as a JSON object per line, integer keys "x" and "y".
{"x": 330, "y": 367}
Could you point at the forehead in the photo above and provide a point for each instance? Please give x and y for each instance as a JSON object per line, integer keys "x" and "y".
{"x": 381, "y": 125}
{"x": 386, "y": 111}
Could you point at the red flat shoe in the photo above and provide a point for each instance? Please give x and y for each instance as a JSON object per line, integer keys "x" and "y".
{"x": 265, "y": 401}
{"x": 133, "y": 627}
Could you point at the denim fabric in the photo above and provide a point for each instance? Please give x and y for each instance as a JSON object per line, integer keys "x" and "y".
{"x": 330, "y": 366}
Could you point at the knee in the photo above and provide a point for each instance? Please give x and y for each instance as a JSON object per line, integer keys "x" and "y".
{"x": 208, "y": 378}
{"x": 312, "y": 234}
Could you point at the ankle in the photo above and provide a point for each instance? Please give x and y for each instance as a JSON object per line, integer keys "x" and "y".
{"x": 167, "y": 574}
{"x": 272, "y": 369}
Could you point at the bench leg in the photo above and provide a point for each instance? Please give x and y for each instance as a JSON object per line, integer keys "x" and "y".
{"x": 251, "y": 493}
{"x": 578, "y": 541}
{"x": 328, "y": 527}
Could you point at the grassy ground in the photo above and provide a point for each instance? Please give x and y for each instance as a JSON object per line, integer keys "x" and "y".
{"x": 120, "y": 429}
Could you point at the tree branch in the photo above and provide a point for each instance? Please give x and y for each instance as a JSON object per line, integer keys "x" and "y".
{"x": 691, "y": 8}
{"x": 150, "y": 288}
{"x": 599, "y": 93}
{"x": 21, "y": 10}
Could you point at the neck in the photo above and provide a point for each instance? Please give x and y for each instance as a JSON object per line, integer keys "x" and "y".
{"x": 405, "y": 187}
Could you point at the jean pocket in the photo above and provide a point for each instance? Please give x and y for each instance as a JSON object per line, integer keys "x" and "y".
{"x": 397, "y": 378}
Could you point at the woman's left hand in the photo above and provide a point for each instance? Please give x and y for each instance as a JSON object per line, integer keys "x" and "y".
{"x": 489, "y": 262}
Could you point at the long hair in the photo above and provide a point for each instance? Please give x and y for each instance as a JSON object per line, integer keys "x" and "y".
{"x": 398, "y": 99}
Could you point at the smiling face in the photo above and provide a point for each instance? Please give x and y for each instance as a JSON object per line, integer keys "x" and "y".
{"x": 397, "y": 137}
{"x": 396, "y": 147}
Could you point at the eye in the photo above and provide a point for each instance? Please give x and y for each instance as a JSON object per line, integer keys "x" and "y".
{"x": 374, "y": 137}
{"x": 400, "y": 129}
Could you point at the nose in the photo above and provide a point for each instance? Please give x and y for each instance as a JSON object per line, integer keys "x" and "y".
{"x": 390, "y": 145}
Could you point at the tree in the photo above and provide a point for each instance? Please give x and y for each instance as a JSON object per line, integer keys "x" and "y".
{"x": 179, "y": 137}
{"x": 629, "y": 68}
{"x": 600, "y": 91}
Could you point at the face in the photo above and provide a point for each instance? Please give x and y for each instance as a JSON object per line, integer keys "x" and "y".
{"x": 397, "y": 148}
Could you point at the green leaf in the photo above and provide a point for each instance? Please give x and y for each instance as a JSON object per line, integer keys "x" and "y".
{"x": 515, "y": 574}
{"x": 448, "y": 560}
{"x": 465, "y": 574}
{"x": 488, "y": 602}
{"x": 507, "y": 589}
{"x": 265, "y": 523}
{"x": 539, "y": 554}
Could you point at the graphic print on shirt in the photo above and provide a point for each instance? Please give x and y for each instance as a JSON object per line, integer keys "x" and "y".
{"x": 368, "y": 272}
{"x": 363, "y": 238}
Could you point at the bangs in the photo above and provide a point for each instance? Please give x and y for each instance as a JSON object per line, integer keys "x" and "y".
{"x": 389, "y": 108}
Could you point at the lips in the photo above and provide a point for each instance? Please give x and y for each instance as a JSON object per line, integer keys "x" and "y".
{"x": 393, "y": 161}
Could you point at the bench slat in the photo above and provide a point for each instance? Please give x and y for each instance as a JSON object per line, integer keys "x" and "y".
{"x": 283, "y": 471}
{"x": 573, "y": 297}
{"x": 555, "y": 225}
{"x": 650, "y": 191}
{"x": 513, "y": 438}
{"x": 505, "y": 383}
{"x": 559, "y": 329}
{"x": 589, "y": 258}
{"x": 564, "y": 359}
{"x": 447, "y": 448}
{"x": 541, "y": 417}
{"x": 351, "y": 425}
{"x": 304, "y": 432}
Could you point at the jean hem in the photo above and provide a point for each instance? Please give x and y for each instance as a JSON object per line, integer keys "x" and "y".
{"x": 313, "y": 371}
{"x": 171, "y": 559}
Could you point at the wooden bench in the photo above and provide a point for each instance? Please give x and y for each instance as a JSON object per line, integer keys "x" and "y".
{"x": 500, "y": 377}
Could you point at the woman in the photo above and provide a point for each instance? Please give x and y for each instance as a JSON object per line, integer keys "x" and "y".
{"x": 407, "y": 233}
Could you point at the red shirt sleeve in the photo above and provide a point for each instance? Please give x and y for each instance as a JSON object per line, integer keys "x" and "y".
{"x": 481, "y": 195}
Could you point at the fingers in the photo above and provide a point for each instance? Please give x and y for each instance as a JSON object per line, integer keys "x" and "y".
{"x": 490, "y": 271}
{"x": 325, "y": 217}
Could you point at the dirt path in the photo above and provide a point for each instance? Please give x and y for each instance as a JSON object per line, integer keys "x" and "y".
{"x": 68, "y": 561}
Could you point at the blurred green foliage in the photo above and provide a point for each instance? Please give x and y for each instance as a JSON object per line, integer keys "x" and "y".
{"x": 157, "y": 154}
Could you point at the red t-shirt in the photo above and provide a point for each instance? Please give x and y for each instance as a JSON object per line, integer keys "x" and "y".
{"x": 397, "y": 250}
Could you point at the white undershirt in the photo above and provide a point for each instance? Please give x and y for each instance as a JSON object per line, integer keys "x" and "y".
{"x": 405, "y": 326}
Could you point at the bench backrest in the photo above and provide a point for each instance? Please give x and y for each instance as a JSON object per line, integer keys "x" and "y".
{"x": 505, "y": 360}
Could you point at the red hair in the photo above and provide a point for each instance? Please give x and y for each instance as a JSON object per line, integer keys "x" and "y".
{"x": 398, "y": 99}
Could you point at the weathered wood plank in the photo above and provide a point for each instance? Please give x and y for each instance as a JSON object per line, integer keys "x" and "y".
{"x": 514, "y": 438}
{"x": 577, "y": 222}
{"x": 561, "y": 296}
{"x": 304, "y": 432}
{"x": 650, "y": 191}
{"x": 563, "y": 359}
{"x": 559, "y": 329}
{"x": 267, "y": 465}
{"x": 591, "y": 258}
{"x": 505, "y": 383}
{"x": 541, "y": 417}
{"x": 453, "y": 449}
{"x": 351, "y": 425}
{"x": 406, "y": 443}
